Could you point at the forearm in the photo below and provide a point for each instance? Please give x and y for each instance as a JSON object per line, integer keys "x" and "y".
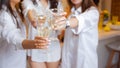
{"x": 31, "y": 17}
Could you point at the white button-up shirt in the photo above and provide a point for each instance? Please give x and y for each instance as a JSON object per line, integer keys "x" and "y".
{"x": 12, "y": 54}
{"x": 80, "y": 44}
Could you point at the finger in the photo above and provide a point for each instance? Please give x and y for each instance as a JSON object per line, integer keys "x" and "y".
{"x": 61, "y": 27}
{"x": 44, "y": 47}
{"x": 60, "y": 19}
{"x": 41, "y": 47}
{"x": 43, "y": 41}
{"x": 41, "y": 38}
{"x": 38, "y": 37}
{"x": 62, "y": 23}
{"x": 60, "y": 14}
{"x": 63, "y": 13}
{"x": 43, "y": 44}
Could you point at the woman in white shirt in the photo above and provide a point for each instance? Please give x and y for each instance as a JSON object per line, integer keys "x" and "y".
{"x": 13, "y": 37}
{"x": 81, "y": 35}
{"x": 48, "y": 58}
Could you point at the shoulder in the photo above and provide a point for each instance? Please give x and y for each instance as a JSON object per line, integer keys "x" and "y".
{"x": 92, "y": 11}
{"x": 93, "y": 8}
{"x": 5, "y": 16}
{"x": 27, "y": 3}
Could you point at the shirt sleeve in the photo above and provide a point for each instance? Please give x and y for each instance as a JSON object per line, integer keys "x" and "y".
{"x": 0, "y": 34}
{"x": 86, "y": 20}
{"x": 27, "y": 5}
{"x": 9, "y": 31}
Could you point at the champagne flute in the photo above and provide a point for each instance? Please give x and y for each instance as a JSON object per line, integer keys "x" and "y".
{"x": 57, "y": 11}
{"x": 43, "y": 30}
{"x": 40, "y": 24}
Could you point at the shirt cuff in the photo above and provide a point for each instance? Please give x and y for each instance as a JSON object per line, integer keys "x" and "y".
{"x": 19, "y": 44}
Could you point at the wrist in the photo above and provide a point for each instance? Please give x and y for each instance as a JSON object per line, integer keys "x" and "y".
{"x": 28, "y": 44}
{"x": 67, "y": 23}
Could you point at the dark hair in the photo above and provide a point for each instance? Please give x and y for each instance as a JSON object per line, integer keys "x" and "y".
{"x": 34, "y": 1}
{"x": 7, "y": 4}
{"x": 96, "y": 2}
{"x": 85, "y": 4}
{"x": 53, "y": 3}
{"x": 19, "y": 10}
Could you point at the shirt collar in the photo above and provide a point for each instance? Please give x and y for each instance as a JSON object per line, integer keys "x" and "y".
{"x": 76, "y": 11}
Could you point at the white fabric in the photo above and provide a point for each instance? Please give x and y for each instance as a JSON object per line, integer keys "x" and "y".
{"x": 53, "y": 53}
{"x": 12, "y": 54}
{"x": 80, "y": 44}
{"x": 25, "y": 6}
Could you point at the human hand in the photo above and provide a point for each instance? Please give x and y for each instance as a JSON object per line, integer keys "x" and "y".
{"x": 60, "y": 20}
{"x": 37, "y": 43}
{"x": 41, "y": 42}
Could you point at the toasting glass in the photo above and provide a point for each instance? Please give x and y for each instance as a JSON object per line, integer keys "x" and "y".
{"x": 57, "y": 11}
{"x": 43, "y": 28}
